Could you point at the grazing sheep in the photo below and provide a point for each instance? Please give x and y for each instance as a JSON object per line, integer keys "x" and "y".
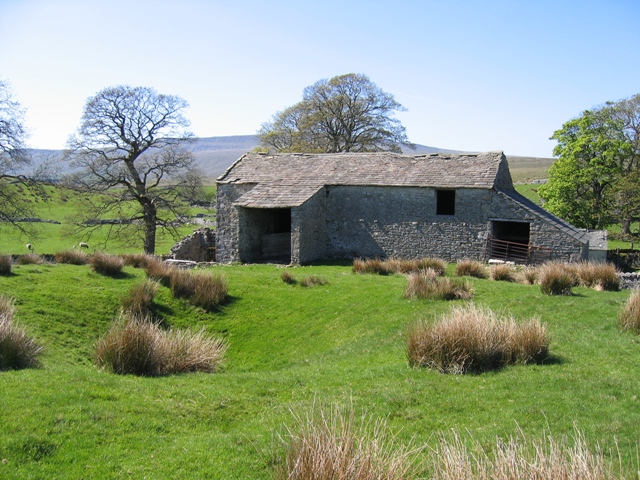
{"x": 29, "y": 247}
{"x": 83, "y": 245}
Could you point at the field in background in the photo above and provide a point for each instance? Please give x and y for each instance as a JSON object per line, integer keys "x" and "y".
{"x": 62, "y": 206}
{"x": 529, "y": 169}
{"x": 291, "y": 348}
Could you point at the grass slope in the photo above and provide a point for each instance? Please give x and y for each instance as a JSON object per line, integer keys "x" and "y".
{"x": 291, "y": 347}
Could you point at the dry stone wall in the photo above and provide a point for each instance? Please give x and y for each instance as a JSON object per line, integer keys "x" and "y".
{"x": 200, "y": 246}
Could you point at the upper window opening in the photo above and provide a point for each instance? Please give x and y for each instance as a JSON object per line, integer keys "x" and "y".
{"x": 445, "y": 202}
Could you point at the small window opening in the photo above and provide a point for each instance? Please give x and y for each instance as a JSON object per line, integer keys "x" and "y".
{"x": 445, "y": 202}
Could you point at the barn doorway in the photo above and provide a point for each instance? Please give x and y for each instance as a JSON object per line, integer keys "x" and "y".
{"x": 266, "y": 235}
{"x": 509, "y": 241}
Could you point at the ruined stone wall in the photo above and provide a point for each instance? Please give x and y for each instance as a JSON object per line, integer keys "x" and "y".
{"x": 309, "y": 230}
{"x": 197, "y": 247}
{"x": 227, "y": 233}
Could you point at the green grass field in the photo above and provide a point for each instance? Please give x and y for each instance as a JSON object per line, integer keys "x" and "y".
{"x": 291, "y": 347}
{"x": 61, "y": 206}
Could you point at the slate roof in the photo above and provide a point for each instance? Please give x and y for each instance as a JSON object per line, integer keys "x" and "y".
{"x": 577, "y": 233}
{"x": 288, "y": 179}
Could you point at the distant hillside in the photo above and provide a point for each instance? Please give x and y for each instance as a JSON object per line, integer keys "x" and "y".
{"x": 215, "y": 154}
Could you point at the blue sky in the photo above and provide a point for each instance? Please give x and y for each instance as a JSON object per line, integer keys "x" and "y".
{"x": 475, "y": 75}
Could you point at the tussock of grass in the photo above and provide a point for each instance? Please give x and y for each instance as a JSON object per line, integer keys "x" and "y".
{"x": 17, "y": 349}
{"x": 159, "y": 271}
{"x": 5, "y": 265}
{"x": 436, "y": 264}
{"x": 556, "y": 278}
{"x": 30, "y": 259}
{"x": 503, "y": 273}
{"x": 530, "y": 275}
{"x": 312, "y": 281}
{"x": 203, "y": 290}
{"x": 139, "y": 300}
{"x": 72, "y": 257}
{"x": 105, "y": 264}
{"x": 471, "y": 268}
{"x": 396, "y": 265}
{"x": 370, "y": 265}
{"x": 287, "y": 278}
{"x": 137, "y": 345}
{"x": 521, "y": 458}
{"x": 331, "y": 444}
{"x": 601, "y": 276}
{"x": 427, "y": 285}
{"x": 308, "y": 281}
{"x": 472, "y": 339}
{"x": 629, "y": 317}
{"x": 136, "y": 260}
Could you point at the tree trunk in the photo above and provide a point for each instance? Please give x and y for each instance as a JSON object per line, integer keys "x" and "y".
{"x": 625, "y": 226}
{"x": 150, "y": 221}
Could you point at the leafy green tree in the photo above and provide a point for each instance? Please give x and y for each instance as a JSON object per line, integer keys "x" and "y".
{"x": 131, "y": 159}
{"x": 596, "y": 152}
{"x": 626, "y": 200}
{"x": 347, "y": 113}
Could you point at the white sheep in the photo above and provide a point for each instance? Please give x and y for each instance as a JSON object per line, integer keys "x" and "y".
{"x": 83, "y": 245}
{"x": 29, "y": 247}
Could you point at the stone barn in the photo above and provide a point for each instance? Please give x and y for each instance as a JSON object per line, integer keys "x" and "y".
{"x": 299, "y": 208}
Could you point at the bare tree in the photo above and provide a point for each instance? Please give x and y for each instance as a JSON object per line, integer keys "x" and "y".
{"x": 132, "y": 164}
{"x": 348, "y": 113}
{"x": 14, "y": 159}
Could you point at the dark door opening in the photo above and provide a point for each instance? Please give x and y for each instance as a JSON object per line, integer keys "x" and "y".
{"x": 265, "y": 235}
{"x": 275, "y": 244}
{"x": 509, "y": 241}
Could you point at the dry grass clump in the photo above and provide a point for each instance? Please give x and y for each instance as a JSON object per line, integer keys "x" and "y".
{"x": 556, "y": 278}
{"x": 436, "y": 264}
{"x": 5, "y": 264}
{"x": 17, "y": 349}
{"x": 159, "y": 271}
{"x": 312, "y": 281}
{"x": 472, "y": 339}
{"x": 139, "y": 300}
{"x": 427, "y": 285}
{"x": 629, "y": 317}
{"x": 136, "y": 260}
{"x": 105, "y": 264}
{"x": 520, "y": 458}
{"x": 470, "y": 268}
{"x": 30, "y": 259}
{"x": 329, "y": 445}
{"x": 369, "y": 265}
{"x": 288, "y": 278}
{"x": 203, "y": 290}
{"x": 601, "y": 276}
{"x": 530, "y": 275}
{"x": 397, "y": 265}
{"x": 72, "y": 257}
{"x": 137, "y": 345}
{"x": 503, "y": 273}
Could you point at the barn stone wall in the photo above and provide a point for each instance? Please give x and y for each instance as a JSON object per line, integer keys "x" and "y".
{"x": 309, "y": 230}
{"x": 228, "y": 238}
{"x": 388, "y": 221}
{"x": 402, "y": 222}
